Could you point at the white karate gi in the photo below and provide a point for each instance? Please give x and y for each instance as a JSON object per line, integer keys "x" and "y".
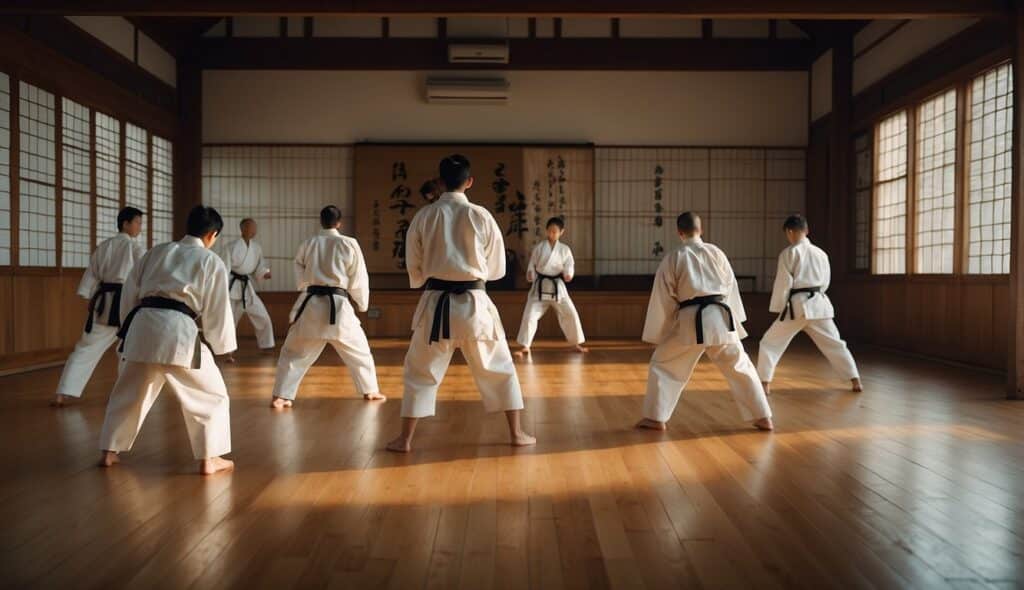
{"x": 247, "y": 260}
{"x": 160, "y": 345}
{"x": 557, "y": 261}
{"x": 328, "y": 259}
{"x": 113, "y": 259}
{"x": 697, "y": 269}
{"x": 803, "y": 265}
{"x": 454, "y": 240}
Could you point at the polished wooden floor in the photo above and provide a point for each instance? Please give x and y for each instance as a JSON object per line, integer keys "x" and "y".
{"x": 916, "y": 483}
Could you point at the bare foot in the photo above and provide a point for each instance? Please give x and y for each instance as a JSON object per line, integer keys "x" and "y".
{"x": 59, "y": 401}
{"x": 651, "y": 424}
{"x": 764, "y": 424}
{"x": 580, "y": 348}
{"x": 767, "y": 387}
{"x": 856, "y": 386}
{"x": 230, "y": 359}
{"x": 280, "y": 403}
{"x": 522, "y": 353}
{"x": 400, "y": 445}
{"x": 215, "y": 465}
{"x": 521, "y": 439}
{"x": 374, "y": 397}
{"x": 108, "y": 459}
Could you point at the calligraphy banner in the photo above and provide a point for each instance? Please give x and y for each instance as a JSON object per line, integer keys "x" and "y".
{"x": 521, "y": 186}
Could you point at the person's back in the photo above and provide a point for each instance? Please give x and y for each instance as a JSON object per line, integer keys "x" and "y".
{"x": 330, "y": 274}
{"x": 111, "y": 262}
{"x": 452, "y": 248}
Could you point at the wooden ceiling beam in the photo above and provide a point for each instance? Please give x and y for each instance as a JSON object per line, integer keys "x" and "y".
{"x": 323, "y": 53}
{"x": 790, "y": 9}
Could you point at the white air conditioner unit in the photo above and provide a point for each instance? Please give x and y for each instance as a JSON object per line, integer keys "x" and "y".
{"x": 467, "y": 90}
{"x": 480, "y": 53}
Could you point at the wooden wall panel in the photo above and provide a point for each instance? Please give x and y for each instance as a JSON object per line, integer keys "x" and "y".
{"x": 956, "y": 319}
{"x": 43, "y": 317}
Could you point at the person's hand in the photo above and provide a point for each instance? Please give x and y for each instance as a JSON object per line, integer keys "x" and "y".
{"x": 266, "y": 276}
{"x": 566, "y": 277}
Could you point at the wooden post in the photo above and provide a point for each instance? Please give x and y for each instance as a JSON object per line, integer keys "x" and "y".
{"x": 840, "y": 153}
{"x": 188, "y": 146}
{"x": 1015, "y": 362}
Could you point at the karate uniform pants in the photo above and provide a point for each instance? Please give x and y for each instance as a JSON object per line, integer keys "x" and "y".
{"x": 83, "y": 360}
{"x": 299, "y": 353}
{"x": 568, "y": 320}
{"x": 201, "y": 392}
{"x": 823, "y": 333}
{"x": 490, "y": 362}
{"x": 673, "y": 363}
{"x": 259, "y": 317}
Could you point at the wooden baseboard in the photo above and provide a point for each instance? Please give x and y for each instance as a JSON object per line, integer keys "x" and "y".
{"x": 32, "y": 361}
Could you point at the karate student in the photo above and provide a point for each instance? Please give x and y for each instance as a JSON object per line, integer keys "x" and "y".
{"x": 245, "y": 262}
{"x": 171, "y": 289}
{"x": 331, "y": 273}
{"x": 800, "y": 300}
{"x": 695, "y": 308}
{"x": 453, "y": 247}
{"x": 551, "y": 266}
{"x": 101, "y": 285}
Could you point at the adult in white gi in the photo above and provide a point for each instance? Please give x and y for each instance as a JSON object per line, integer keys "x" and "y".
{"x": 331, "y": 274}
{"x": 695, "y": 308}
{"x": 246, "y": 265}
{"x": 800, "y": 300}
{"x": 171, "y": 289}
{"x": 101, "y": 284}
{"x": 453, "y": 247}
{"x": 551, "y": 267}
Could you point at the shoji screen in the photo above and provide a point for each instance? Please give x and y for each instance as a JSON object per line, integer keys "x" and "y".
{"x": 108, "y": 175}
{"x": 76, "y": 149}
{"x": 5, "y": 170}
{"x": 37, "y": 238}
{"x": 162, "y": 185}
{"x": 742, "y": 195}
{"x": 283, "y": 188}
{"x": 136, "y": 175}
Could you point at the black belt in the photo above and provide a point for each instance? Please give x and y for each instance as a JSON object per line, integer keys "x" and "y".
{"x": 245, "y": 284}
{"x": 165, "y": 303}
{"x": 789, "y": 300}
{"x": 442, "y": 326}
{"x": 702, "y": 303}
{"x": 321, "y": 291}
{"x": 98, "y": 304}
{"x": 540, "y": 285}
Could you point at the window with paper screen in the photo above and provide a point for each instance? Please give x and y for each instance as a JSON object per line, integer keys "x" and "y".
{"x": 864, "y": 156}
{"x": 935, "y": 206}
{"x": 5, "y": 170}
{"x": 108, "y": 175}
{"x": 889, "y": 217}
{"x": 161, "y": 213}
{"x": 735, "y": 218}
{"x": 136, "y": 175}
{"x": 283, "y": 188}
{"x": 76, "y": 183}
{"x": 785, "y": 190}
{"x": 990, "y": 171}
{"x": 37, "y": 243}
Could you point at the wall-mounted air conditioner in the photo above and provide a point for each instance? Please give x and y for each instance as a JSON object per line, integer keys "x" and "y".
{"x": 479, "y": 53}
{"x": 467, "y": 90}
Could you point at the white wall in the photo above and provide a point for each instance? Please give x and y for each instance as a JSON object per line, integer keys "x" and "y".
{"x": 119, "y": 34}
{"x": 875, "y": 62}
{"x": 609, "y": 108}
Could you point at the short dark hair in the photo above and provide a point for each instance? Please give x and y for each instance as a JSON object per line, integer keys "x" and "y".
{"x": 127, "y": 215}
{"x": 556, "y": 221}
{"x": 795, "y": 222}
{"x": 242, "y": 223}
{"x": 430, "y": 188}
{"x": 203, "y": 220}
{"x": 454, "y": 171}
{"x": 329, "y": 217}
{"x": 688, "y": 222}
